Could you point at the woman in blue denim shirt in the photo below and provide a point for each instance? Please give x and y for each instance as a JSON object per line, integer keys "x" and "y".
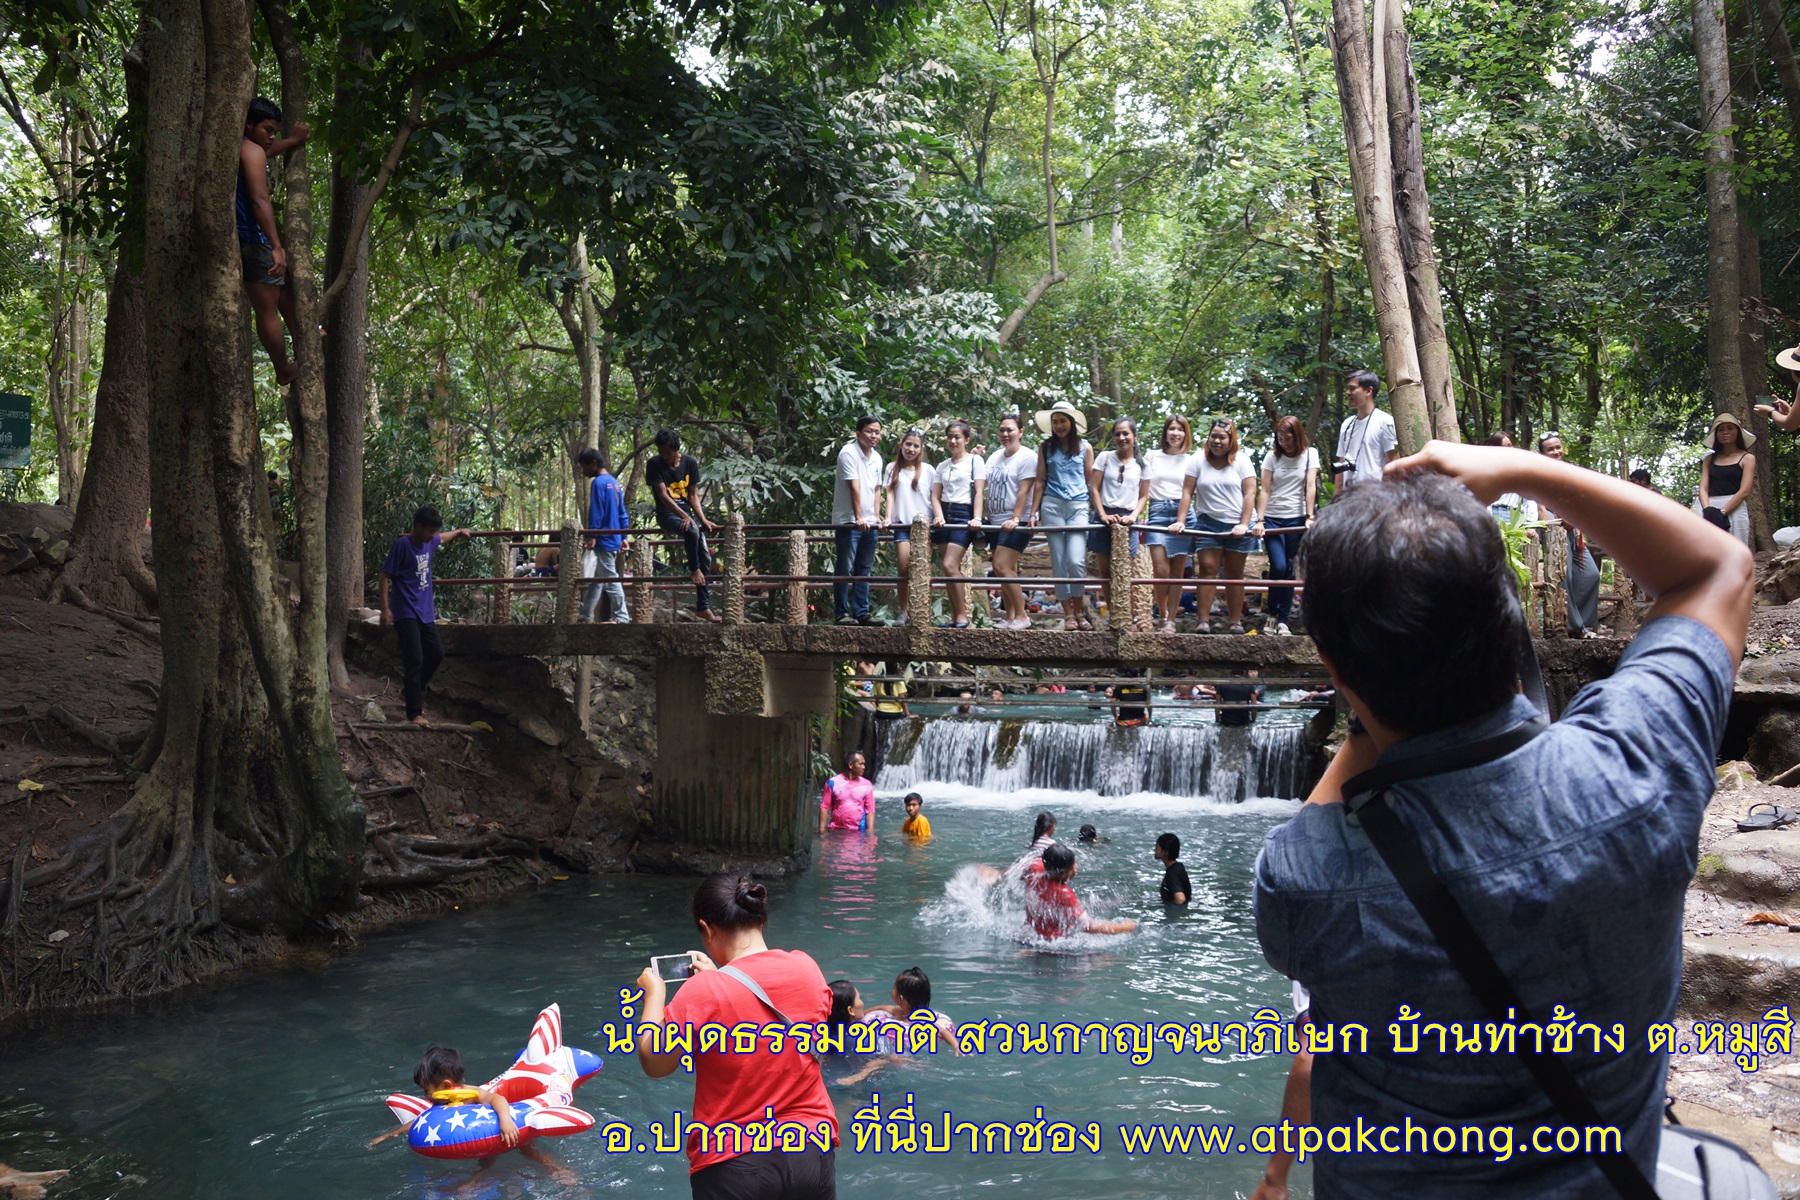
{"x": 1064, "y": 460}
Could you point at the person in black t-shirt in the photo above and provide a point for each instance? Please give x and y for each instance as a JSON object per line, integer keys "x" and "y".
{"x": 1249, "y": 692}
{"x": 674, "y": 478}
{"x": 1175, "y": 886}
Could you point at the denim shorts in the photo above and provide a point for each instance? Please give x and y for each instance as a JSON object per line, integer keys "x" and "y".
{"x": 1013, "y": 539}
{"x": 1100, "y": 540}
{"x": 1210, "y": 533}
{"x": 901, "y": 533}
{"x": 956, "y": 529}
{"x": 1162, "y": 515}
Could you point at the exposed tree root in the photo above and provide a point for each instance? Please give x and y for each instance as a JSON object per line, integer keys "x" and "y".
{"x": 400, "y": 861}
{"x": 120, "y": 747}
{"x": 66, "y": 589}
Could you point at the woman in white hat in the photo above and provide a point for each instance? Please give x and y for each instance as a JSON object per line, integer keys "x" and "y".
{"x": 1061, "y": 503}
{"x": 1786, "y": 413}
{"x": 1727, "y": 474}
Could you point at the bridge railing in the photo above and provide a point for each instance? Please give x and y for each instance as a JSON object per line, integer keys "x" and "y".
{"x": 1129, "y": 580}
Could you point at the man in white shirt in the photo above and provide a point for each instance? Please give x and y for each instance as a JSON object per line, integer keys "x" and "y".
{"x": 1367, "y": 441}
{"x": 854, "y": 503}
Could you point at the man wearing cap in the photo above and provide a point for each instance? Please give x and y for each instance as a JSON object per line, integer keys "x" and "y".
{"x": 853, "y": 511}
{"x": 1367, "y": 442}
{"x": 407, "y": 604}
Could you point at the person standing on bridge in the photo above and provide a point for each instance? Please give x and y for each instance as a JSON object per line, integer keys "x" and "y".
{"x": 600, "y": 559}
{"x": 1366, "y": 443}
{"x": 854, "y": 510}
{"x": 1064, "y": 460}
{"x": 1011, "y": 480}
{"x": 674, "y": 478}
{"x": 956, "y": 502}
{"x": 407, "y": 604}
{"x": 910, "y": 484}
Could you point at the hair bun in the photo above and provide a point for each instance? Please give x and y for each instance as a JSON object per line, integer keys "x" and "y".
{"x": 752, "y": 896}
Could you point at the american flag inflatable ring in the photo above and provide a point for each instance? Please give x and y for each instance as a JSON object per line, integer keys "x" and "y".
{"x": 540, "y": 1084}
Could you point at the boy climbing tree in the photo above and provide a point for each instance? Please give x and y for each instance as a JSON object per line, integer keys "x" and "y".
{"x": 259, "y": 239}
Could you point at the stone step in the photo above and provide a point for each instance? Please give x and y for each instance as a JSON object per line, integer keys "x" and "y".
{"x": 1761, "y": 868}
{"x": 1739, "y": 975}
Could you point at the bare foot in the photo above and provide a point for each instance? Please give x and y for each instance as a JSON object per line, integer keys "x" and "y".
{"x": 420, "y": 721}
{"x": 286, "y": 373}
{"x": 707, "y": 614}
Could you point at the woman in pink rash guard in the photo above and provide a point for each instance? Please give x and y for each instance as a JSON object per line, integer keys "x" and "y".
{"x": 848, "y": 801}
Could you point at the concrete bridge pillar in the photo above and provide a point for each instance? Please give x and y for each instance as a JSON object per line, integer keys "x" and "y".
{"x": 734, "y": 752}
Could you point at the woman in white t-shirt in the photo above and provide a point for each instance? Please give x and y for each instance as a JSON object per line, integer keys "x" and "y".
{"x": 956, "y": 511}
{"x": 1290, "y": 496}
{"x": 1117, "y": 487}
{"x": 909, "y": 486}
{"x": 1012, "y": 478}
{"x": 1165, "y": 469}
{"x": 1218, "y": 503}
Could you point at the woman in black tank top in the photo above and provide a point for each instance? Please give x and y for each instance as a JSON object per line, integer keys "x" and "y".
{"x": 1726, "y": 477}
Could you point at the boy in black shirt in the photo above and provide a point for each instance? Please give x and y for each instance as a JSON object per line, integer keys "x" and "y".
{"x": 1175, "y": 886}
{"x": 674, "y": 478}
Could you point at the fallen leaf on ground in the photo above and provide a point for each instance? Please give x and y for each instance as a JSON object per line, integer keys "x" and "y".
{"x": 229, "y": 879}
{"x": 30, "y": 785}
{"x": 481, "y": 725}
{"x": 41, "y": 852}
{"x": 560, "y": 878}
{"x": 58, "y": 936}
{"x": 1771, "y": 918}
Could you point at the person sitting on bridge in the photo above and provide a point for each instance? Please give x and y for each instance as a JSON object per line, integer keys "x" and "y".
{"x": 674, "y": 478}
{"x": 1568, "y": 847}
{"x": 259, "y": 238}
{"x": 407, "y": 604}
{"x": 605, "y": 510}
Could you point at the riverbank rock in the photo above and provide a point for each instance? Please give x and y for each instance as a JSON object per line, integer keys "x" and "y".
{"x": 1778, "y": 577}
{"x": 1739, "y": 974}
{"x": 1760, "y": 869}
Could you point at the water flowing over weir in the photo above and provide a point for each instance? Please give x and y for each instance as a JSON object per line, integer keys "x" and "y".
{"x": 1225, "y": 764}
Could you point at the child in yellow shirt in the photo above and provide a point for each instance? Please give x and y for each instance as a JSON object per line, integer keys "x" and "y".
{"x": 916, "y": 825}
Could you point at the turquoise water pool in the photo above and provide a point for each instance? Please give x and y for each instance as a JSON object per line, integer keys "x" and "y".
{"x": 270, "y": 1085}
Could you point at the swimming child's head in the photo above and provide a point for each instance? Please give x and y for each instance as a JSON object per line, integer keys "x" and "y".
{"x": 1168, "y": 848}
{"x": 846, "y": 1003}
{"x": 914, "y": 802}
{"x": 912, "y": 989}
{"x": 1046, "y": 823}
{"x": 1089, "y": 834}
{"x": 439, "y": 1065}
{"x": 1059, "y": 862}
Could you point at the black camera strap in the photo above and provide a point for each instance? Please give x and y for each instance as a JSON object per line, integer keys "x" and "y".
{"x": 1366, "y": 800}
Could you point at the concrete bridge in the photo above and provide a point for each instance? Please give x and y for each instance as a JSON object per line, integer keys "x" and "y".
{"x": 742, "y": 703}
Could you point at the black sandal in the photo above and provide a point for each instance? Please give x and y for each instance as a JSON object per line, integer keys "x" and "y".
{"x": 1779, "y": 816}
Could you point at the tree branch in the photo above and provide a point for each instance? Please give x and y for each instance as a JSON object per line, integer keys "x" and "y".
{"x": 9, "y": 100}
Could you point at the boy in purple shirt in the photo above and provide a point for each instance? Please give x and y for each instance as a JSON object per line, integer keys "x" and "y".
{"x": 407, "y": 605}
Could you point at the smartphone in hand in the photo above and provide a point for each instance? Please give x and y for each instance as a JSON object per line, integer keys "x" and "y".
{"x": 671, "y": 968}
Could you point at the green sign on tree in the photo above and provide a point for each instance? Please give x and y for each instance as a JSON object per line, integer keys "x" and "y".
{"x": 15, "y": 431}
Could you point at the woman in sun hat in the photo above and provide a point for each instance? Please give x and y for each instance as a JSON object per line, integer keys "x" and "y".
{"x": 1727, "y": 474}
{"x": 1061, "y": 503}
{"x": 1786, "y": 413}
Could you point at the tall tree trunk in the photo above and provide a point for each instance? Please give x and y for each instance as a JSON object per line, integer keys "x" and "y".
{"x": 1362, "y": 92}
{"x": 1746, "y": 87}
{"x": 1724, "y": 356}
{"x": 1322, "y": 231}
{"x": 1049, "y": 68}
{"x": 1781, "y": 49}
{"x": 346, "y": 397}
{"x": 1417, "y": 246}
{"x": 106, "y": 549}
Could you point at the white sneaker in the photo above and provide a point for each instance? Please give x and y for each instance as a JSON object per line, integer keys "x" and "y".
{"x": 1281, "y": 629}
{"x": 901, "y": 620}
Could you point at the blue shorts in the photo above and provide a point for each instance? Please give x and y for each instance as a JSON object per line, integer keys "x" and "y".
{"x": 956, "y": 530}
{"x": 1012, "y": 539}
{"x": 1210, "y": 533}
{"x": 902, "y": 533}
{"x": 1162, "y": 515}
{"x": 1100, "y": 540}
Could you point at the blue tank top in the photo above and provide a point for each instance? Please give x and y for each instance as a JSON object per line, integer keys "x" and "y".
{"x": 248, "y": 229}
{"x": 1064, "y": 476}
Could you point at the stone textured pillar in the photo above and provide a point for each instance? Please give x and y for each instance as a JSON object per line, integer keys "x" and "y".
{"x": 1143, "y": 596}
{"x": 1118, "y": 612}
{"x": 1625, "y": 621}
{"x": 918, "y": 575}
{"x": 643, "y": 566}
{"x": 501, "y": 613}
{"x": 732, "y": 604}
{"x": 1556, "y": 573}
{"x": 568, "y": 574}
{"x": 798, "y": 564}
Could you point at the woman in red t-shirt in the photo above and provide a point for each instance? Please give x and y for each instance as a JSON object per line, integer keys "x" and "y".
{"x": 1052, "y": 909}
{"x": 730, "y": 911}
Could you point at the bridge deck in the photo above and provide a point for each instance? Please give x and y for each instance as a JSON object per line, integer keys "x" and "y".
{"x": 1295, "y": 656}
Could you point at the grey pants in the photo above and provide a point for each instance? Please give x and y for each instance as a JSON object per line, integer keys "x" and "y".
{"x": 605, "y": 565}
{"x": 1583, "y": 583}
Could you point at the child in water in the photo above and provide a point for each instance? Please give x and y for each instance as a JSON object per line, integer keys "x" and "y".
{"x": 439, "y": 1074}
{"x": 912, "y": 992}
{"x": 915, "y": 826}
{"x": 1052, "y": 910}
{"x": 1175, "y": 886}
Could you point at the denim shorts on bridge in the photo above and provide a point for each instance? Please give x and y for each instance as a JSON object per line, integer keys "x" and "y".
{"x": 1210, "y": 533}
{"x": 956, "y": 529}
{"x": 1162, "y": 515}
{"x": 1100, "y": 540}
{"x": 1013, "y": 539}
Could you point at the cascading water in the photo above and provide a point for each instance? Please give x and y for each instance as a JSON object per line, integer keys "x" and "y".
{"x": 1220, "y": 763}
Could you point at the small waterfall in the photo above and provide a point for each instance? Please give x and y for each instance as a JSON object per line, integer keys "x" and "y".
{"x": 1221, "y": 763}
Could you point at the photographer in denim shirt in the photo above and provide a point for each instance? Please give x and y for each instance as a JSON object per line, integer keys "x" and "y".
{"x": 1571, "y": 855}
